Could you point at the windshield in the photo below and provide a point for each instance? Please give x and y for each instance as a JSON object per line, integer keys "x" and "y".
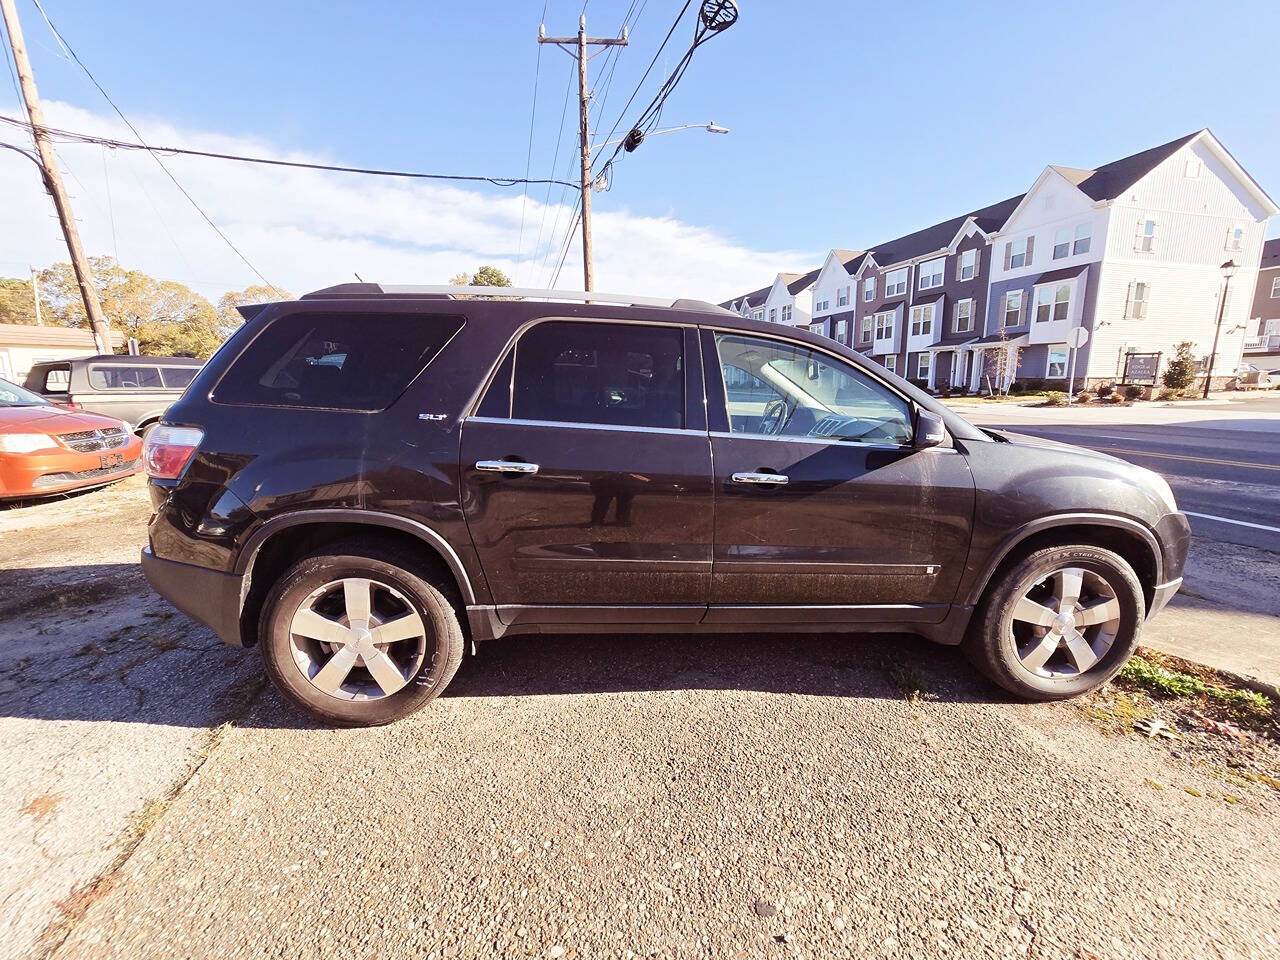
{"x": 11, "y": 395}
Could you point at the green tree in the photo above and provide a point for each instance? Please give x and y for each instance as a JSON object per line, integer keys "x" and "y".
{"x": 1181, "y": 372}
{"x": 17, "y": 305}
{"x": 229, "y": 317}
{"x": 166, "y": 317}
{"x": 488, "y": 276}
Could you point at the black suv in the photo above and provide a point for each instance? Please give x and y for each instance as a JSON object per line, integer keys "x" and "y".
{"x": 367, "y": 480}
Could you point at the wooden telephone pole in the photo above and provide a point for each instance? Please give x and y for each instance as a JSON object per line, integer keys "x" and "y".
{"x": 580, "y": 43}
{"x": 53, "y": 179}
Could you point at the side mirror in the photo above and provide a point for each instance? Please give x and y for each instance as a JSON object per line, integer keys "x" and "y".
{"x": 930, "y": 430}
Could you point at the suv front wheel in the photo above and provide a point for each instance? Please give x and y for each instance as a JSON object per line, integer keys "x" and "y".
{"x": 354, "y": 636}
{"x": 1058, "y": 623}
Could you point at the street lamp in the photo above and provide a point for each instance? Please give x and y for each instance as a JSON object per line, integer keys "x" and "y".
{"x": 632, "y": 140}
{"x": 1228, "y": 271}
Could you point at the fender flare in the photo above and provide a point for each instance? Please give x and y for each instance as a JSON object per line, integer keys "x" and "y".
{"x": 1063, "y": 520}
{"x": 430, "y": 537}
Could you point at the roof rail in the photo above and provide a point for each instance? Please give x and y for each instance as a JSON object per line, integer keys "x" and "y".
{"x": 510, "y": 293}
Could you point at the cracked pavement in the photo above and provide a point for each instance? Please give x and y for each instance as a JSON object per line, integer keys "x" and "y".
{"x": 807, "y": 796}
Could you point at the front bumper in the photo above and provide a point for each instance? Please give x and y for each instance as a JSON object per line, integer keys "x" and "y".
{"x": 1161, "y": 596}
{"x": 209, "y": 596}
{"x": 58, "y": 471}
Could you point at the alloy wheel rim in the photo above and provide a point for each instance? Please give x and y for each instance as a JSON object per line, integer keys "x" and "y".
{"x": 1065, "y": 623}
{"x": 357, "y": 639}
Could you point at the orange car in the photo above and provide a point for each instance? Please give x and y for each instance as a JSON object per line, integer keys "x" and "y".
{"x": 46, "y": 449}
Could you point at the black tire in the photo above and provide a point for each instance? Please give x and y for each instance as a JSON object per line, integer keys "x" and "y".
{"x": 444, "y": 642}
{"x": 990, "y": 644}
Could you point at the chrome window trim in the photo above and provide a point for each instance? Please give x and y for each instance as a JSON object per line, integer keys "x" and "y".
{"x": 575, "y": 425}
{"x": 825, "y": 441}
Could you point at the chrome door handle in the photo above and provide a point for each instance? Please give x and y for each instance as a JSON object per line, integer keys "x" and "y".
{"x": 767, "y": 478}
{"x": 506, "y": 466}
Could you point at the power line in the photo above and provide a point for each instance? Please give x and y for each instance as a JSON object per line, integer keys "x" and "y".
{"x": 209, "y": 220}
{"x": 70, "y": 136}
{"x": 546, "y": 201}
{"x": 528, "y": 156}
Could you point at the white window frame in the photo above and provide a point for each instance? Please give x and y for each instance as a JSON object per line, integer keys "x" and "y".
{"x": 773, "y": 314}
{"x": 883, "y": 330}
{"x": 924, "y": 363}
{"x": 868, "y": 289}
{"x": 1062, "y": 241}
{"x": 1275, "y": 288}
{"x": 1064, "y": 351}
{"x": 1014, "y": 253}
{"x": 842, "y": 296}
{"x": 1083, "y": 239}
{"x": 968, "y": 261}
{"x": 757, "y": 314}
{"x": 891, "y": 363}
{"x": 955, "y": 317}
{"x": 819, "y": 328}
{"x": 935, "y": 271}
{"x": 1144, "y": 241}
{"x": 1049, "y": 297}
{"x": 786, "y": 313}
{"x": 922, "y": 320}
{"x": 842, "y": 330}
{"x": 1235, "y": 245}
{"x": 866, "y": 326}
{"x": 1004, "y": 317}
{"x": 1135, "y": 308}
{"x": 1192, "y": 168}
{"x": 895, "y": 288}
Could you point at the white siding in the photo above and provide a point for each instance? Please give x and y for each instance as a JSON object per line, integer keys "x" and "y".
{"x": 1054, "y": 204}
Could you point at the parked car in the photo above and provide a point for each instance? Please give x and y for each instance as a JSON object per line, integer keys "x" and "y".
{"x": 136, "y": 390}
{"x": 366, "y": 480}
{"x": 45, "y": 449}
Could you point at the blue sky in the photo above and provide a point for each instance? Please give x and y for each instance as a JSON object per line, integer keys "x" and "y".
{"x": 851, "y": 123}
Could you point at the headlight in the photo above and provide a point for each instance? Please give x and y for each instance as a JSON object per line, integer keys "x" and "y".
{"x": 1160, "y": 487}
{"x": 26, "y": 442}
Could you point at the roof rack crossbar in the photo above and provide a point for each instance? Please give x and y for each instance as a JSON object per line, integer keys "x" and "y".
{"x": 520, "y": 293}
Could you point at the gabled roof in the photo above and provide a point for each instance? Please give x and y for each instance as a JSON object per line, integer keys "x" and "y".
{"x": 940, "y": 235}
{"x": 1112, "y": 179}
{"x": 799, "y": 281}
{"x": 1057, "y": 276}
{"x": 754, "y": 298}
{"x": 1270, "y": 254}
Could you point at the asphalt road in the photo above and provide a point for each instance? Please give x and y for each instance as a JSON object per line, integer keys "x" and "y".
{"x": 1224, "y": 471}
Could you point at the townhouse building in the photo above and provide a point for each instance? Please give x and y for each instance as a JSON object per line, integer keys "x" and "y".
{"x": 789, "y": 300}
{"x": 1130, "y": 251}
{"x": 1262, "y": 339}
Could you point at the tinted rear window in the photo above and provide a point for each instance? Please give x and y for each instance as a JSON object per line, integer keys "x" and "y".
{"x": 343, "y": 361}
{"x": 178, "y": 377}
{"x": 139, "y": 377}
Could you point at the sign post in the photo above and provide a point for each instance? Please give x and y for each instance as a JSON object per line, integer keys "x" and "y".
{"x": 1076, "y": 339}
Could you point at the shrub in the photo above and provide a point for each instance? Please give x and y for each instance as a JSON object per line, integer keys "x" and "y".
{"x": 1106, "y": 389}
{"x": 1181, "y": 372}
{"x": 1133, "y": 392}
{"x": 1084, "y": 396}
{"x": 1055, "y": 398}
{"x": 1168, "y": 393}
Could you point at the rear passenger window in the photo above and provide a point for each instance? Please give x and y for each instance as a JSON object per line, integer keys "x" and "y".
{"x": 56, "y": 380}
{"x": 125, "y": 378}
{"x": 608, "y": 373}
{"x": 177, "y": 378}
{"x": 343, "y": 361}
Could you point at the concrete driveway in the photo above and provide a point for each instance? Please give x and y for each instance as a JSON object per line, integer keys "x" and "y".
{"x": 578, "y": 797}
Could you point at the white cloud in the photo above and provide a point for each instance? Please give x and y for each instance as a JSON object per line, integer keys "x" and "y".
{"x": 306, "y": 229}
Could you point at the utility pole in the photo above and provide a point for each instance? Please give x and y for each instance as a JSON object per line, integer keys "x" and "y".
{"x": 580, "y": 42}
{"x": 53, "y": 179}
{"x": 35, "y": 294}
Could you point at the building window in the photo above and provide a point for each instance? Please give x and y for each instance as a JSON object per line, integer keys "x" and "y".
{"x": 1019, "y": 253}
{"x": 968, "y": 265}
{"x": 818, "y": 328}
{"x": 1235, "y": 239}
{"x": 1139, "y": 297}
{"x": 773, "y": 314}
{"x": 895, "y": 283}
{"x": 786, "y": 314}
{"x": 1192, "y": 170}
{"x": 923, "y": 359}
{"x": 1146, "y": 239}
{"x": 1084, "y": 234}
{"x": 842, "y": 330}
{"x": 1275, "y": 288}
{"x": 922, "y": 320}
{"x": 823, "y": 304}
{"x": 964, "y": 316}
{"x": 884, "y": 326}
{"x": 864, "y": 330}
{"x": 757, "y": 314}
{"x": 842, "y": 297}
{"x": 1012, "y": 308}
{"x": 868, "y": 289}
{"x": 891, "y": 363}
{"x": 1057, "y": 368}
{"x": 1053, "y": 303}
{"x": 1062, "y": 243}
{"x": 930, "y": 274}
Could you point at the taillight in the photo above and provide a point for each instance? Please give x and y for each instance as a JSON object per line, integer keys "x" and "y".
{"x": 168, "y": 450}
{"x": 72, "y": 404}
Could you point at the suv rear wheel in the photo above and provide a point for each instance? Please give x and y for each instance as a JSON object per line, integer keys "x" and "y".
{"x": 356, "y": 637}
{"x": 1058, "y": 623}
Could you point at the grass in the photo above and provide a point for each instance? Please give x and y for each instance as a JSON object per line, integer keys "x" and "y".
{"x": 1170, "y": 684}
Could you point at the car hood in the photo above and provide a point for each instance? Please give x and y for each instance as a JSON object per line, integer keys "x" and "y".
{"x": 1026, "y": 440}
{"x": 51, "y": 420}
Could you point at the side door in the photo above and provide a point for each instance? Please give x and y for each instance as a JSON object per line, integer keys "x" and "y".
{"x": 586, "y": 475}
{"x": 825, "y": 510}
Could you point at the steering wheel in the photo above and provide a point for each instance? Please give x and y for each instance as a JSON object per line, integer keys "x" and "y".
{"x": 776, "y": 415}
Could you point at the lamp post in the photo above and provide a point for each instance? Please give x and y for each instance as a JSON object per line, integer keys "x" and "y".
{"x": 711, "y": 127}
{"x": 1228, "y": 271}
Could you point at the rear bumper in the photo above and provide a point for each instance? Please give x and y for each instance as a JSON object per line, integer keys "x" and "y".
{"x": 209, "y": 596}
{"x": 1161, "y": 595}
